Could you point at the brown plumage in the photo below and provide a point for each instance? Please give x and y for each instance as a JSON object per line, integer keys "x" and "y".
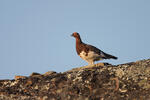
{"x": 89, "y": 53}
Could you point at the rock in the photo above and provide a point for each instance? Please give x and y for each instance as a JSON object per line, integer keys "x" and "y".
{"x": 20, "y": 77}
{"x": 49, "y": 73}
{"x": 38, "y": 75}
{"x": 35, "y": 74}
{"x": 130, "y": 81}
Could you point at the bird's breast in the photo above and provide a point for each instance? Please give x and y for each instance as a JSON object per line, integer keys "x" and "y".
{"x": 90, "y": 55}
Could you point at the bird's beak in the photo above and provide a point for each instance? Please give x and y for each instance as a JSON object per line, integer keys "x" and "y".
{"x": 72, "y": 35}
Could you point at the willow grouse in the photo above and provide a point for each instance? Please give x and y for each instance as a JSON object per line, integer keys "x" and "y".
{"x": 89, "y": 53}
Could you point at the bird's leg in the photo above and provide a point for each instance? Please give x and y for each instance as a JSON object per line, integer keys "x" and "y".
{"x": 91, "y": 63}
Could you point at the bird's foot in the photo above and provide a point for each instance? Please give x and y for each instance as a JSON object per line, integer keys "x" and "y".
{"x": 94, "y": 65}
{"x": 91, "y": 66}
{"x": 100, "y": 64}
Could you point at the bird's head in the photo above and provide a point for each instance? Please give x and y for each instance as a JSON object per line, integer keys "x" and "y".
{"x": 75, "y": 34}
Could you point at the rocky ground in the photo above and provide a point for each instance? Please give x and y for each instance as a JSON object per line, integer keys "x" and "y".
{"x": 130, "y": 81}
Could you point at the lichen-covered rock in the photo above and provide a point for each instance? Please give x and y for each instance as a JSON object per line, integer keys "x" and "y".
{"x": 129, "y": 81}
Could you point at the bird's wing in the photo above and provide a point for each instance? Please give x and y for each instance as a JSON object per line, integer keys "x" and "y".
{"x": 92, "y": 48}
{"x": 99, "y": 52}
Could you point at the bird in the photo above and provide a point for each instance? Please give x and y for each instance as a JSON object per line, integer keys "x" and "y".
{"x": 88, "y": 52}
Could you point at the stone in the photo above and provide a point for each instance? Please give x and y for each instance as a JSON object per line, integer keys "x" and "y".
{"x": 49, "y": 73}
{"x": 129, "y": 81}
{"x": 20, "y": 77}
{"x": 34, "y": 74}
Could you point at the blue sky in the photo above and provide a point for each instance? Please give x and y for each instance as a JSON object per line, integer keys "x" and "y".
{"x": 35, "y": 34}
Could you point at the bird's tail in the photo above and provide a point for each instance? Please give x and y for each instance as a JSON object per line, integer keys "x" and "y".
{"x": 108, "y": 56}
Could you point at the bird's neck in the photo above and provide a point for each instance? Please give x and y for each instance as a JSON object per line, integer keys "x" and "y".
{"x": 78, "y": 41}
{"x": 78, "y": 45}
